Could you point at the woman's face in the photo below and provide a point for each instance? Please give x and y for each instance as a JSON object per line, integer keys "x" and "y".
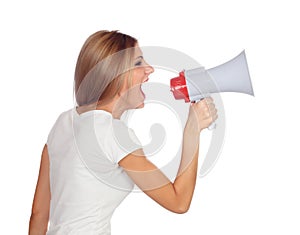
{"x": 134, "y": 95}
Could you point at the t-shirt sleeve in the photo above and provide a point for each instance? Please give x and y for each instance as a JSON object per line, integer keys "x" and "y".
{"x": 119, "y": 141}
{"x": 50, "y": 135}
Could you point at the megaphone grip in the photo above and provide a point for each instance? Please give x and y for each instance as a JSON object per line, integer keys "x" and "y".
{"x": 213, "y": 125}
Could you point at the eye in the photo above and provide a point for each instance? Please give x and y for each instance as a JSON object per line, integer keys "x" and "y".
{"x": 138, "y": 63}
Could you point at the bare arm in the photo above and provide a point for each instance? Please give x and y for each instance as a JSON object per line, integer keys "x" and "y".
{"x": 176, "y": 196}
{"x": 41, "y": 202}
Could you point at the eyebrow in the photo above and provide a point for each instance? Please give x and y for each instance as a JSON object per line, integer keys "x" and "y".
{"x": 139, "y": 57}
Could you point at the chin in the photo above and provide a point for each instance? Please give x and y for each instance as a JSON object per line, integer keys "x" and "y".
{"x": 142, "y": 105}
{"x": 139, "y": 102}
{"x": 136, "y": 106}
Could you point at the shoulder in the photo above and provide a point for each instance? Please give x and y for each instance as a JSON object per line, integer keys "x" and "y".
{"x": 116, "y": 133}
{"x": 62, "y": 119}
{"x": 106, "y": 120}
{"x": 63, "y": 116}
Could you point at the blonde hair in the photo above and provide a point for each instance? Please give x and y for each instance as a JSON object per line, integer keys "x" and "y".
{"x": 101, "y": 66}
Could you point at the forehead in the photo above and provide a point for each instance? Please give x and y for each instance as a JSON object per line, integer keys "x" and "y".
{"x": 137, "y": 51}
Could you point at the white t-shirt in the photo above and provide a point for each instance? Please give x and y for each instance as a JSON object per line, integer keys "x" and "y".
{"x": 86, "y": 182}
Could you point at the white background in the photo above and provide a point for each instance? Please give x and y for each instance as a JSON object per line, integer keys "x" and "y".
{"x": 254, "y": 187}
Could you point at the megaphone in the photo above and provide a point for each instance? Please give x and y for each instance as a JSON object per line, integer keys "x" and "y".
{"x": 196, "y": 84}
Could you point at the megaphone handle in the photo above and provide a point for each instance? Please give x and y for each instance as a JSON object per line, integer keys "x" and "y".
{"x": 213, "y": 125}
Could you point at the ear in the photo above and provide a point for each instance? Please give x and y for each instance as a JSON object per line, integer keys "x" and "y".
{"x": 120, "y": 93}
{"x": 124, "y": 88}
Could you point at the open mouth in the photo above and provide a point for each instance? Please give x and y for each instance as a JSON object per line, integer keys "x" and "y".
{"x": 142, "y": 92}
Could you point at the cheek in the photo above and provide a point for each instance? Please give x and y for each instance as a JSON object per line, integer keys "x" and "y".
{"x": 137, "y": 76}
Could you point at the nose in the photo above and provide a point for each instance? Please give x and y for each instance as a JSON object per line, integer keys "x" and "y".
{"x": 148, "y": 68}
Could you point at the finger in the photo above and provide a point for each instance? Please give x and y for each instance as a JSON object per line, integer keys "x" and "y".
{"x": 205, "y": 101}
{"x": 204, "y": 104}
{"x": 215, "y": 117}
{"x": 215, "y": 114}
{"x": 208, "y": 100}
{"x": 211, "y": 106}
{"x": 211, "y": 114}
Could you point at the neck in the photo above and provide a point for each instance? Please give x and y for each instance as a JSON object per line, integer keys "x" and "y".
{"x": 113, "y": 107}
{"x": 116, "y": 113}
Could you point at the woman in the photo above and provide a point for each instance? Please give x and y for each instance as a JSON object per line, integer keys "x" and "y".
{"x": 92, "y": 159}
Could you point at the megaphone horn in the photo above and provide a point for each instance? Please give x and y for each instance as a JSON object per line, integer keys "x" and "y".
{"x": 198, "y": 83}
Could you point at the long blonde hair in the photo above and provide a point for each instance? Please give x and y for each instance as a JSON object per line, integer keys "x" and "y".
{"x": 101, "y": 66}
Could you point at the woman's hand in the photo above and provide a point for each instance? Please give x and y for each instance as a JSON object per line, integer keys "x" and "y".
{"x": 201, "y": 115}
{"x": 175, "y": 196}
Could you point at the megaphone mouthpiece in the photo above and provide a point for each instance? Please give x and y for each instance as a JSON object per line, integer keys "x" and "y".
{"x": 179, "y": 87}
